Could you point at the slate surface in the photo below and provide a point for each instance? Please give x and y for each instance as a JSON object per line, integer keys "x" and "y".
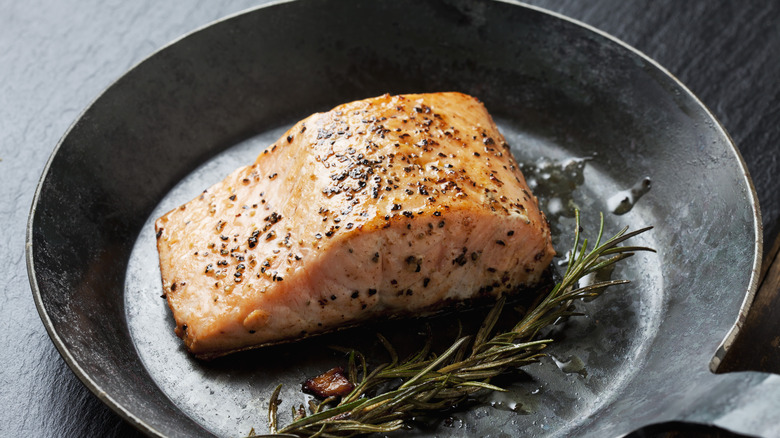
{"x": 57, "y": 56}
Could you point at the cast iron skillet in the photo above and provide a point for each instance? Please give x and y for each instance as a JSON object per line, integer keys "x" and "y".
{"x": 182, "y": 119}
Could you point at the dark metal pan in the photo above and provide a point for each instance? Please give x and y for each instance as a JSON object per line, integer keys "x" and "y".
{"x": 183, "y": 118}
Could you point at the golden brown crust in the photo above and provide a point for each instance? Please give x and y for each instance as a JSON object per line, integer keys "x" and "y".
{"x": 390, "y": 204}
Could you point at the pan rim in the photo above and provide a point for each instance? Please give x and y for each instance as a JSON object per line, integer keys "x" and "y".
{"x": 147, "y": 429}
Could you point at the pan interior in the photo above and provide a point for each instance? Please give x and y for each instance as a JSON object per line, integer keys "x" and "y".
{"x": 595, "y": 354}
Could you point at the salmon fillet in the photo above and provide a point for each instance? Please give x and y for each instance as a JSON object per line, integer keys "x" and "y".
{"x": 390, "y": 206}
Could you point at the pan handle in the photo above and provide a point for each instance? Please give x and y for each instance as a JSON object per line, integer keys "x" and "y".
{"x": 757, "y": 346}
{"x": 748, "y": 402}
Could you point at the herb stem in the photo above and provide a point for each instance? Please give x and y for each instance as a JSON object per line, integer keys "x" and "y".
{"x": 431, "y": 382}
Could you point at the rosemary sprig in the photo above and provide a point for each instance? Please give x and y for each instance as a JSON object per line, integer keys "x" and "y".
{"x": 431, "y": 382}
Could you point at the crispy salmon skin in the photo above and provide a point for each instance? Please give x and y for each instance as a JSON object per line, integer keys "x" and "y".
{"x": 390, "y": 206}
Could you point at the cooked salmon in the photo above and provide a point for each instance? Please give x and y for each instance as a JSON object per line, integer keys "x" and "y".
{"x": 384, "y": 207}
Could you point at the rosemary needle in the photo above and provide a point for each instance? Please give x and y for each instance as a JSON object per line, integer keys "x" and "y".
{"x": 431, "y": 382}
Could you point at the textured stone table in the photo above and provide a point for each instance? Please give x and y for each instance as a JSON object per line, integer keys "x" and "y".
{"x": 57, "y": 56}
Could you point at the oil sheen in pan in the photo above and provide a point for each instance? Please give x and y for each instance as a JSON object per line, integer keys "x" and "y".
{"x": 593, "y": 356}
